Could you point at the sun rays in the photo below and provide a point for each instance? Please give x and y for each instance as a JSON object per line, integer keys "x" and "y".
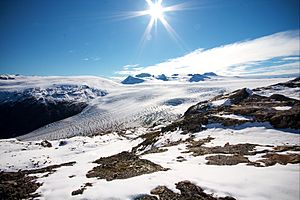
{"x": 157, "y": 13}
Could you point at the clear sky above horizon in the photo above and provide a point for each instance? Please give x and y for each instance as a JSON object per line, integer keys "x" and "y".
{"x": 80, "y": 37}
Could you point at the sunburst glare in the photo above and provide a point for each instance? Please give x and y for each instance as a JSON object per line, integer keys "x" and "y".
{"x": 157, "y": 13}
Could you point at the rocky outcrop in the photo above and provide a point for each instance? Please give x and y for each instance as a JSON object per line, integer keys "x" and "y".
{"x": 226, "y": 160}
{"x": 252, "y": 107}
{"x": 122, "y": 166}
{"x": 233, "y": 154}
{"x": 295, "y": 83}
{"x": 188, "y": 191}
{"x": 22, "y": 184}
{"x": 18, "y": 185}
{"x": 271, "y": 159}
{"x": 21, "y": 117}
{"x": 46, "y": 143}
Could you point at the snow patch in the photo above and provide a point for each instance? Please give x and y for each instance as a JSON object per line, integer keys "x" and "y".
{"x": 282, "y": 107}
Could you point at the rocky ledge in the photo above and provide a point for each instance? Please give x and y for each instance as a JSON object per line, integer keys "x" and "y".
{"x": 239, "y": 107}
{"x": 23, "y": 184}
{"x": 121, "y": 166}
{"x": 188, "y": 191}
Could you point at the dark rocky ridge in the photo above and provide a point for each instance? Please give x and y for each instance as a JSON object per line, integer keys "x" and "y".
{"x": 241, "y": 102}
{"x": 188, "y": 191}
{"x": 24, "y": 111}
{"x": 22, "y": 184}
{"x": 122, "y": 166}
{"x": 19, "y": 118}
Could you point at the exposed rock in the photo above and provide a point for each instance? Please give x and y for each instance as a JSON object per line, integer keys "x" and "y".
{"x": 226, "y": 160}
{"x": 122, "y": 166}
{"x": 279, "y": 97}
{"x": 25, "y": 110}
{"x": 19, "y": 118}
{"x": 244, "y": 103}
{"x": 149, "y": 139}
{"x": 81, "y": 190}
{"x": 62, "y": 143}
{"x": 188, "y": 191}
{"x": 49, "y": 169}
{"x": 180, "y": 159}
{"x": 283, "y": 159}
{"x": 286, "y": 148}
{"x": 19, "y": 185}
{"x": 77, "y": 192}
{"x": 239, "y": 95}
{"x": 46, "y": 143}
{"x": 239, "y": 149}
{"x": 190, "y": 123}
{"x": 287, "y": 118}
{"x": 145, "y": 197}
{"x": 295, "y": 83}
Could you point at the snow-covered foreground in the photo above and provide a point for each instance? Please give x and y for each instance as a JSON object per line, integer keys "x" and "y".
{"x": 126, "y": 106}
{"x": 126, "y": 111}
{"x": 240, "y": 181}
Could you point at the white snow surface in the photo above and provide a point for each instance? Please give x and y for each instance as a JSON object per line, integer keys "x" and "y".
{"x": 128, "y": 106}
{"x": 282, "y": 107}
{"x": 233, "y": 116}
{"x": 53, "y": 88}
{"x": 240, "y": 181}
{"x": 225, "y": 102}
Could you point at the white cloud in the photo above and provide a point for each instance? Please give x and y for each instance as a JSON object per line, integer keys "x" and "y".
{"x": 130, "y": 69}
{"x": 92, "y": 59}
{"x": 234, "y": 57}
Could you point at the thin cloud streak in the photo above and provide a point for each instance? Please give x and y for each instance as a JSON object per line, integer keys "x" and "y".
{"x": 231, "y": 57}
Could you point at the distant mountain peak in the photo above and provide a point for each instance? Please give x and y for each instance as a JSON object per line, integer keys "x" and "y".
{"x": 198, "y": 77}
{"x": 210, "y": 74}
{"x": 132, "y": 80}
{"x": 143, "y": 75}
{"x": 162, "y": 77}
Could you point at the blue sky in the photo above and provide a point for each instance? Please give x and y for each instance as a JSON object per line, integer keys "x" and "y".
{"x": 80, "y": 37}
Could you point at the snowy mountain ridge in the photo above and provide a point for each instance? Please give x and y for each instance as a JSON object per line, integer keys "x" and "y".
{"x": 146, "y": 77}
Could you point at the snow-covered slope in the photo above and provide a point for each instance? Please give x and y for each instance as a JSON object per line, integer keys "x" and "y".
{"x": 79, "y": 88}
{"x": 240, "y": 181}
{"x": 127, "y": 106}
{"x": 245, "y": 160}
{"x": 28, "y": 103}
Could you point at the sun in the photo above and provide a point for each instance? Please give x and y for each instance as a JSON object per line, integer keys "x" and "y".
{"x": 156, "y": 11}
